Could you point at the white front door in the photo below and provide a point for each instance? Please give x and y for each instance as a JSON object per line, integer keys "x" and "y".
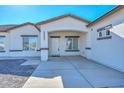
{"x": 55, "y": 47}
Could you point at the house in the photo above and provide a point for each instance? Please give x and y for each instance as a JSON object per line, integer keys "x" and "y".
{"x": 68, "y": 35}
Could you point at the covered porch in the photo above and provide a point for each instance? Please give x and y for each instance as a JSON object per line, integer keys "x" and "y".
{"x": 64, "y": 36}
{"x": 65, "y": 43}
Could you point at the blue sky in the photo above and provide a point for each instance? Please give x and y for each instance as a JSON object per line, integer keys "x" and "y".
{"x": 21, "y": 14}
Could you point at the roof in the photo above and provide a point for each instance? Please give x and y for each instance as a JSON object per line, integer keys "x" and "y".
{"x": 63, "y": 16}
{"x": 106, "y": 15}
{"x": 6, "y": 28}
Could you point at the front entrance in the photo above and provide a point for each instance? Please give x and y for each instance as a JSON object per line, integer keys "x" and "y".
{"x": 55, "y": 46}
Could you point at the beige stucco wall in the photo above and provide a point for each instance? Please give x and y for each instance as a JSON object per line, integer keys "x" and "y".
{"x": 70, "y": 26}
{"x": 114, "y": 19}
{"x": 67, "y": 23}
{"x": 7, "y": 43}
{"x": 14, "y": 41}
{"x": 109, "y": 52}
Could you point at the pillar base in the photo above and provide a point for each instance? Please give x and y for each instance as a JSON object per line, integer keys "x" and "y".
{"x": 44, "y": 55}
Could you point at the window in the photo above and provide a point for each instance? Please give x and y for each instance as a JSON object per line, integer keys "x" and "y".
{"x": 100, "y": 34}
{"x": 104, "y": 32}
{"x": 2, "y": 43}
{"x": 107, "y": 32}
{"x": 29, "y": 43}
{"x": 72, "y": 44}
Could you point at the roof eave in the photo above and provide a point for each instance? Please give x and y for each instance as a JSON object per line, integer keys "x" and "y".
{"x": 60, "y": 17}
{"x": 28, "y": 23}
{"x": 105, "y": 15}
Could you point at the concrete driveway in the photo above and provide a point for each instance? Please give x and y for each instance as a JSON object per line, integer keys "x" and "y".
{"x": 74, "y": 72}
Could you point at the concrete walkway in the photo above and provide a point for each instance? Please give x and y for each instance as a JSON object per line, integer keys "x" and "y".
{"x": 73, "y": 72}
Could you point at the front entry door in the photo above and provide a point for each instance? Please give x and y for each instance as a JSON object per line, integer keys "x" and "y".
{"x": 55, "y": 46}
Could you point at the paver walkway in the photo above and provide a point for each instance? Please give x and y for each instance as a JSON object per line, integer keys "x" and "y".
{"x": 74, "y": 72}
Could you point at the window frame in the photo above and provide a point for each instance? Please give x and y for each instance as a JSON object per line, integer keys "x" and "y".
{"x": 72, "y": 47}
{"x": 29, "y": 36}
{"x": 107, "y": 33}
{"x": 3, "y": 42}
{"x": 100, "y": 34}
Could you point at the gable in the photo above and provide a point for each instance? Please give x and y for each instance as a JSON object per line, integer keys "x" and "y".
{"x": 66, "y": 23}
{"x": 27, "y": 29}
{"x": 7, "y": 28}
{"x": 114, "y": 19}
{"x": 107, "y": 15}
{"x": 61, "y": 17}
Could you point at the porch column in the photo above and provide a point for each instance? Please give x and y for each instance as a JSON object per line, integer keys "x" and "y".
{"x": 88, "y": 44}
{"x": 44, "y": 45}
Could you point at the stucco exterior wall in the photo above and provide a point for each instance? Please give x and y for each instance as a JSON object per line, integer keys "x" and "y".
{"x": 109, "y": 51}
{"x": 14, "y": 41}
{"x": 62, "y": 34}
{"x": 7, "y": 43}
{"x": 67, "y": 23}
{"x": 17, "y": 41}
{"x": 64, "y": 24}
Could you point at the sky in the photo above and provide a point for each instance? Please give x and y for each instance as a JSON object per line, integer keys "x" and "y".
{"x": 36, "y": 13}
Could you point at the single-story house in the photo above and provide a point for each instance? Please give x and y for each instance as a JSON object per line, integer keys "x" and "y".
{"x": 68, "y": 35}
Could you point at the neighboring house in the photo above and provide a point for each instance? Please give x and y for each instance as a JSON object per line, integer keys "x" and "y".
{"x": 101, "y": 40}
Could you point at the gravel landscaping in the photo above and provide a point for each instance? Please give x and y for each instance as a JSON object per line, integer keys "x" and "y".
{"x": 13, "y": 74}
